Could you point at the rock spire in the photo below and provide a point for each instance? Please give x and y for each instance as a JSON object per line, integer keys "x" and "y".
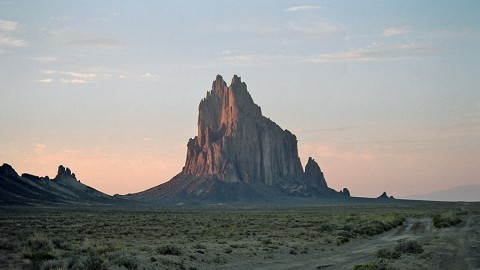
{"x": 236, "y": 143}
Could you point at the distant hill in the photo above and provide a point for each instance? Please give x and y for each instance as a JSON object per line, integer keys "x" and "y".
{"x": 468, "y": 193}
{"x": 63, "y": 189}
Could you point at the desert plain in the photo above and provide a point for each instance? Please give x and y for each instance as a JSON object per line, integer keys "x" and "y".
{"x": 383, "y": 235}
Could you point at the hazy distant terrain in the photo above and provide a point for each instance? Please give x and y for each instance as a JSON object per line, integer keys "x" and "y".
{"x": 361, "y": 236}
{"x": 467, "y": 193}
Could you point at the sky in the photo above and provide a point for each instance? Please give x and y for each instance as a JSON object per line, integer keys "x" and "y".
{"x": 384, "y": 95}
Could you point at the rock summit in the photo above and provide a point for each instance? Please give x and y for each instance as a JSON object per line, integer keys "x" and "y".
{"x": 239, "y": 154}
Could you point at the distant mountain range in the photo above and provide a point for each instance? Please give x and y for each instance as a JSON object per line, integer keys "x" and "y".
{"x": 467, "y": 193}
{"x": 63, "y": 189}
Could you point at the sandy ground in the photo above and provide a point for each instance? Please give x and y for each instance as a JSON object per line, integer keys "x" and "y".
{"x": 455, "y": 247}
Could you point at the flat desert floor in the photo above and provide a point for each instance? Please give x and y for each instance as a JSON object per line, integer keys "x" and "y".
{"x": 404, "y": 235}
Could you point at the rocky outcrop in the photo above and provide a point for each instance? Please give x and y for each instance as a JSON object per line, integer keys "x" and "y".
{"x": 385, "y": 196}
{"x": 64, "y": 173}
{"x": 236, "y": 143}
{"x": 314, "y": 176}
{"x": 7, "y": 170}
{"x": 345, "y": 192}
{"x": 239, "y": 154}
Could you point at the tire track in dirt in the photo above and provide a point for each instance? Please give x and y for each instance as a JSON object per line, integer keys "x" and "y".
{"x": 345, "y": 256}
{"x": 458, "y": 247}
{"x": 455, "y": 247}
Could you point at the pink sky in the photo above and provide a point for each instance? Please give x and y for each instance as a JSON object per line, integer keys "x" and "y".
{"x": 383, "y": 94}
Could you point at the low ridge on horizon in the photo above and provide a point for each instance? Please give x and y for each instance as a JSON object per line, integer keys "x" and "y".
{"x": 64, "y": 188}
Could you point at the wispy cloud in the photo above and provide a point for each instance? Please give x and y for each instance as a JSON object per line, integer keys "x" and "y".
{"x": 70, "y": 73}
{"x": 9, "y": 41}
{"x": 375, "y": 52}
{"x": 396, "y": 31}
{"x": 91, "y": 75}
{"x": 6, "y": 36}
{"x": 148, "y": 75}
{"x": 49, "y": 80}
{"x": 75, "y": 81}
{"x": 71, "y": 77}
{"x": 8, "y": 26}
{"x": 302, "y": 8}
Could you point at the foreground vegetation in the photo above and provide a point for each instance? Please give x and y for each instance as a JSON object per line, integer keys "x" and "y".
{"x": 189, "y": 238}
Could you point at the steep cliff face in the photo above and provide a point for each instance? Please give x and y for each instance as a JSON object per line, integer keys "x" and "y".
{"x": 236, "y": 143}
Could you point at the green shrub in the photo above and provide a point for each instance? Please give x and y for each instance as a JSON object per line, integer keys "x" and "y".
{"x": 128, "y": 261}
{"x": 327, "y": 227}
{"x": 385, "y": 253}
{"x": 52, "y": 265}
{"x": 61, "y": 243}
{"x": 408, "y": 246}
{"x": 39, "y": 242}
{"x": 346, "y": 234}
{"x": 341, "y": 240}
{"x": 169, "y": 250}
{"x": 219, "y": 260}
{"x": 94, "y": 262}
{"x": 6, "y": 244}
{"x": 266, "y": 241}
{"x": 38, "y": 258}
{"x": 199, "y": 246}
{"x": 446, "y": 219}
{"x": 372, "y": 266}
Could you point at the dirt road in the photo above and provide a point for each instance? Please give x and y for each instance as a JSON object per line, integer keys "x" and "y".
{"x": 455, "y": 247}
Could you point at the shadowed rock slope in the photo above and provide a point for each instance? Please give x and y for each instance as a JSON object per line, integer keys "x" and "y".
{"x": 63, "y": 189}
{"x": 239, "y": 154}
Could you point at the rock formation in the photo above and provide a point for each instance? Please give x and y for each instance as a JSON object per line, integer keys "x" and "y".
{"x": 236, "y": 143}
{"x": 238, "y": 153}
{"x": 385, "y": 196}
{"x": 345, "y": 192}
{"x": 314, "y": 176}
{"x": 64, "y": 174}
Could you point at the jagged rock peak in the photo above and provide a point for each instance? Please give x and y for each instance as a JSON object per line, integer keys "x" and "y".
{"x": 385, "y": 196}
{"x": 7, "y": 169}
{"x": 236, "y": 80}
{"x": 64, "y": 172}
{"x": 236, "y": 143}
{"x": 346, "y": 192}
{"x": 314, "y": 175}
